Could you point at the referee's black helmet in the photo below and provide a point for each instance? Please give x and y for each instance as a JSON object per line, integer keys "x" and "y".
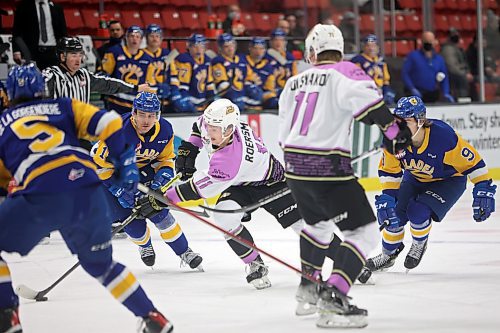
{"x": 69, "y": 44}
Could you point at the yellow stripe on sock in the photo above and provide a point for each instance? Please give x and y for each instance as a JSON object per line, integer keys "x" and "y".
{"x": 172, "y": 233}
{"x": 121, "y": 288}
{"x": 391, "y": 237}
{"x": 309, "y": 264}
{"x": 144, "y": 239}
{"x": 421, "y": 232}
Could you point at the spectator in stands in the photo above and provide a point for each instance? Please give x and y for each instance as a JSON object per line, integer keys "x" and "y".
{"x": 348, "y": 28}
{"x": 115, "y": 37}
{"x": 492, "y": 34}
{"x": 284, "y": 25}
{"x": 295, "y": 45}
{"x": 162, "y": 73}
{"x": 264, "y": 78}
{"x": 38, "y": 25}
{"x": 4, "y": 100}
{"x": 425, "y": 74}
{"x": 233, "y": 78}
{"x": 456, "y": 62}
{"x": 490, "y": 67}
{"x": 128, "y": 63}
{"x": 283, "y": 62}
{"x": 375, "y": 66}
{"x": 234, "y": 26}
{"x": 195, "y": 75}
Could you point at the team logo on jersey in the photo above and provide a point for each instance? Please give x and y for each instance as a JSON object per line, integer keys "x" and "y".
{"x": 75, "y": 174}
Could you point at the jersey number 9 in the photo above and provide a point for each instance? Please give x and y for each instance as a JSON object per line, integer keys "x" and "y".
{"x": 468, "y": 154}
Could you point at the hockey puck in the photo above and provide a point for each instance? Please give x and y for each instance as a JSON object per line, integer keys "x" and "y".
{"x": 42, "y": 299}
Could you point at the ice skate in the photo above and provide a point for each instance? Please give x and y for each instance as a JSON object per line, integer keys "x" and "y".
{"x": 335, "y": 311}
{"x": 155, "y": 322}
{"x": 307, "y": 298}
{"x": 415, "y": 255}
{"x": 366, "y": 277}
{"x": 382, "y": 262}
{"x": 257, "y": 274}
{"x": 148, "y": 255}
{"x": 9, "y": 321}
{"x": 192, "y": 259}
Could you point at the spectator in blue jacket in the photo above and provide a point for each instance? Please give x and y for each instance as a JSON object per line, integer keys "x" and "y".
{"x": 425, "y": 74}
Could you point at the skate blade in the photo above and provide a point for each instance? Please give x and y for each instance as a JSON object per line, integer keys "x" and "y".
{"x": 407, "y": 270}
{"x": 334, "y": 320}
{"x": 261, "y": 283}
{"x": 305, "y": 309}
{"x": 200, "y": 268}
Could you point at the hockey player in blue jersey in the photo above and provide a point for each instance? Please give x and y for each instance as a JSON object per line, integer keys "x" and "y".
{"x": 58, "y": 189}
{"x": 161, "y": 75}
{"x": 153, "y": 139}
{"x": 233, "y": 78}
{"x": 265, "y": 79}
{"x": 286, "y": 67}
{"x": 196, "y": 84}
{"x": 129, "y": 63}
{"x": 423, "y": 182}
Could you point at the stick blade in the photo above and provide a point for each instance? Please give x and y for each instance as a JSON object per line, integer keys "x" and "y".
{"x": 26, "y": 292}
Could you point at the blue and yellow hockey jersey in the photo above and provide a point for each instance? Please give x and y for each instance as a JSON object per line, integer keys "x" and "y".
{"x": 39, "y": 144}
{"x": 157, "y": 74}
{"x": 376, "y": 68}
{"x": 195, "y": 79}
{"x": 264, "y": 78}
{"x": 156, "y": 150}
{"x": 121, "y": 64}
{"x": 230, "y": 77}
{"x": 283, "y": 72}
{"x": 443, "y": 154}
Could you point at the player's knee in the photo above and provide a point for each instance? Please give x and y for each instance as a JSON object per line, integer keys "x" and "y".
{"x": 418, "y": 212}
{"x": 365, "y": 238}
{"x": 322, "y": 231}
{"x": 228, "y": 222}
{"x": 97, "y": 269}
{"x": 136, "y": 229}
{"x": 163, "y": 220}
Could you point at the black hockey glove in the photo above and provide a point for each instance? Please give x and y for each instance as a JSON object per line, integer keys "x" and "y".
{"x": 147, "y": 206}
{"x": 397, "y": 145}
{"x": 186, "y": 159}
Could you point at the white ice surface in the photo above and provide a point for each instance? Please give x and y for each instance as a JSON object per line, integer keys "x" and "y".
{"x": 456, "y": 288}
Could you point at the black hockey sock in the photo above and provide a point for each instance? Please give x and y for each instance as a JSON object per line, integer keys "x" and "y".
{"x": 312, "y": 254}
{"x": 334, "y": 247}
{"x": 241, "y": 250}
{"x": 348, "y": 262}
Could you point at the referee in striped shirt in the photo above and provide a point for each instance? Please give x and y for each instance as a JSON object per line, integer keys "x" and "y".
{"x": 67, "y": 79}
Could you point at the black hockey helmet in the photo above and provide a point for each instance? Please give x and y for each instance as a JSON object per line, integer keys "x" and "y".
{"x": 69, "y": 44}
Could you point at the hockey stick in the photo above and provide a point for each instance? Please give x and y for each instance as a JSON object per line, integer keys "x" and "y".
{"x": 26, "y": 292}
{"x": 278, "y": 56}
{"x": 146, "y": 190}
{"x": 281, "y": 193}
{"x": 39, "y": 296}
{"x": 236, "y": 238}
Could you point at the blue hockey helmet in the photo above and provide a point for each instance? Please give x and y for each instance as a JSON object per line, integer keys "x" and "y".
{"x": 371, "y": 38}
{"x": 146, "y": 102}
{"x": 154, "y": 29}
{"x": 135, "y": 29}
{"x": 258, "y": 41}
{"x": 25, "y": 82}
{"x": 278, "y": 33}
{"x": 196, "y": 39}
{"x": 225, "y": 38}
{"x": 410, "y": 107}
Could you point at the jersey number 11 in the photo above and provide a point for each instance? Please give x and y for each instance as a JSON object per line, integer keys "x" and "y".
{"x": 311, "y": 100}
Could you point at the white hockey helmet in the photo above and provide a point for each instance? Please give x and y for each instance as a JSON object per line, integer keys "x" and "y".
{"x": 222, "y": 113}
{"x": 323, "y": 37}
